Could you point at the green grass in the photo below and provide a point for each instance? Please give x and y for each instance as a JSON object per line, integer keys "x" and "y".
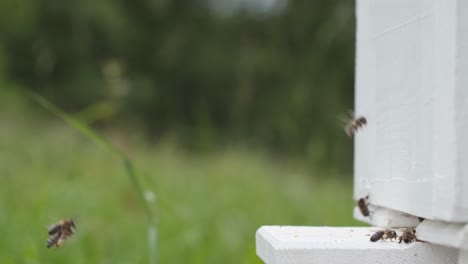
{"x": 208, "y": 206}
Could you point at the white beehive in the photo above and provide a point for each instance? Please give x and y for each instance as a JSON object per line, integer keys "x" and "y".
{"x": 412, "y": 157}
{"x": 411, "y": 84}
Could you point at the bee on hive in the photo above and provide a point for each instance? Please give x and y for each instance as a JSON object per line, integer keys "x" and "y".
{"x": 363, "y": 205}
{"x": 383, "y": 235}
{"x": 408, "y": 235}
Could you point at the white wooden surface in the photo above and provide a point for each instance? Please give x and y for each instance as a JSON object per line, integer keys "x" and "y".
{"x": 412, "y": 86}
{"x": 385, "y": 217}
{"x": 337, "y": 245}
{"x": 463, "y": 257}
{"x": 442, "y": 233}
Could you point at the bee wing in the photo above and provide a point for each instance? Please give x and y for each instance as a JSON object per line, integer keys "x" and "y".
{"x": 347, "y": 128}
{"x": 344, "y": 121}
{"x": 344, "y": 118}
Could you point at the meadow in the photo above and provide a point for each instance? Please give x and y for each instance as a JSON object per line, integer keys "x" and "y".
{"x": 208, "y": 205}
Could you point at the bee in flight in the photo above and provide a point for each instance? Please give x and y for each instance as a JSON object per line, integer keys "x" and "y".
{"x": 363, "y": 205}
{"x": 383, "y": 235}
{"x": 354, "y": 125}
{"x": 408, "y": 235}
{"x": 60, "y": 231}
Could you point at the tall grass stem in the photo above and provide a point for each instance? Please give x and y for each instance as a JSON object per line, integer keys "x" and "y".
{"x": 95, "y": 137}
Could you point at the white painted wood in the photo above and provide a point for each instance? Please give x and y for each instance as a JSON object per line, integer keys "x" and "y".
{"x": 443, "y": 233}
{"x": 384, "y": 217}
{"x": 412, "y": 86}
{"x": 463, "y": 257}
{"x": 315, "y": 245}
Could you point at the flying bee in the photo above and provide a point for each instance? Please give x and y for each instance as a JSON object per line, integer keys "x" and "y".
{"x": 363, "y": 205}
{"x": 383, "y": 235}
{"x": 408, "y": 235}
{"x": 354, "y": 125}
{"x": 59, "y": 232}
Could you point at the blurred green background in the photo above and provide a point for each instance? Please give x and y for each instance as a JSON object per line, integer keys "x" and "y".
{"x": 229, "y": 110}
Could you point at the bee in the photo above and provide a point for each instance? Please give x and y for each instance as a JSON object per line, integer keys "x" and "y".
{"x": 59, "y": 232}
{"x": 408, "y": 235}
{"x": 383, "y": 235}
{"x": 362, "y": 204}
{"x": 354, "y": 124}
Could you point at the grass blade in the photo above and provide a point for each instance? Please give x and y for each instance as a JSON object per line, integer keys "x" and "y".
{"x": 95, "y": 137}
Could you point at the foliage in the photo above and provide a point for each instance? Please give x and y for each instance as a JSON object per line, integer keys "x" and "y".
{"x": 209, "y": 205}
{"x": 178, "y": 68}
